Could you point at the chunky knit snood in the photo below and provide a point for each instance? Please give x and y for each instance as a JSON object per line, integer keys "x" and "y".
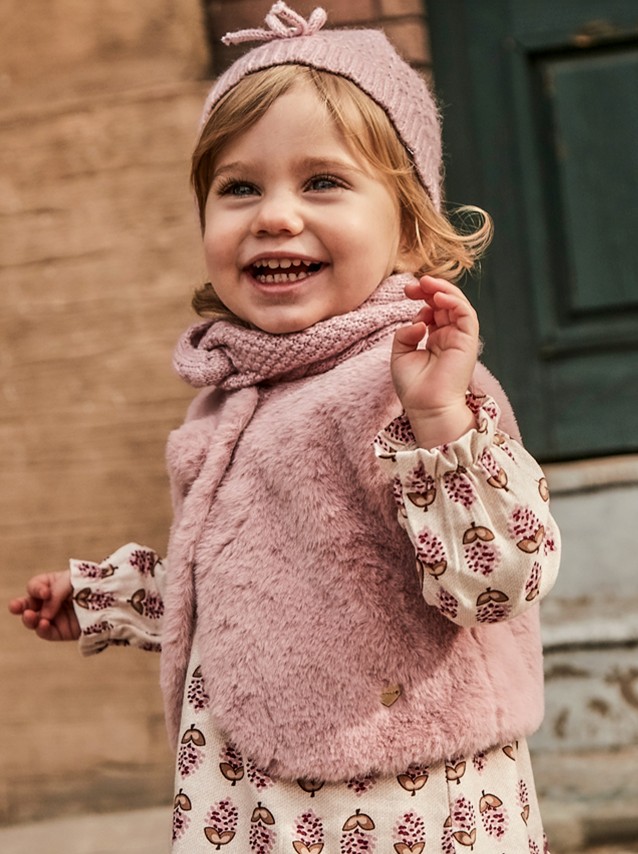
{"x": 225, "y": 355}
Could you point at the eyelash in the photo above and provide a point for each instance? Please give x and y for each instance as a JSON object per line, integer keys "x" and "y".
{"x": 332, "y": 179}
{"x": 228, "y": 185}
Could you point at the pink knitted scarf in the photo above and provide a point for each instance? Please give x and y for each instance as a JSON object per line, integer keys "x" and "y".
{"x": 224, "y": 355}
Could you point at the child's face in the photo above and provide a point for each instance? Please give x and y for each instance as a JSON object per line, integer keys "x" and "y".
{"x": 298, "y": 227}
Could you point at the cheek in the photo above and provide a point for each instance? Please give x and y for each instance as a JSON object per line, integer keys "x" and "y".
{"x": 214, "y": 240}
{"x": 387, "y": 222}
{"x": 208, "y": 250}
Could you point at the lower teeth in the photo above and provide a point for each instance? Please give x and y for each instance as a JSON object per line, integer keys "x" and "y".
{"x": 281, "y": 277}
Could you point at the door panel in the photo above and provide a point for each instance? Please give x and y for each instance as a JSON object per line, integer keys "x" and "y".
{"x": 541, "y": 129}
{"x": 596, "y": 138}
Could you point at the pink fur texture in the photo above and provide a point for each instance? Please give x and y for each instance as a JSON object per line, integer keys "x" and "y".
{"x": 305, "y": 593}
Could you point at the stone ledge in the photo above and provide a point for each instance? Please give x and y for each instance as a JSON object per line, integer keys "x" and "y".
{"x": 582, "y": 475}
{"x": 131, "y": 832}
{"x": 587, "y": 798}
{"x": 586, "y": 624}
{"x": 573, "y": 828}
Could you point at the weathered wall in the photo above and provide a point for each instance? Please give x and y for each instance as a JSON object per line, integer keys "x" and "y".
{"x": 99, "y": 252}
{"x": 70, "y": 48}
{"x": 586, "y": 752}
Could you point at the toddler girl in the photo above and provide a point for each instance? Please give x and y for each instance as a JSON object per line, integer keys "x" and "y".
{"x": 350, "y": 646}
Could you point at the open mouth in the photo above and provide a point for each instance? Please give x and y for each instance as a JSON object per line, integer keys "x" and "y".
{"x": 267, "y": 270}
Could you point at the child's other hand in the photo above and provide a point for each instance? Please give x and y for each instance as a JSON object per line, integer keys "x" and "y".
{"x": 47, "y": 609}
{"x": 431, "y": 382}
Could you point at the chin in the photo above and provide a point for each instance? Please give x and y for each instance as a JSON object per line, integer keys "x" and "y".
{"x": 284, "y": 325}
{"x": 283, "y": 328}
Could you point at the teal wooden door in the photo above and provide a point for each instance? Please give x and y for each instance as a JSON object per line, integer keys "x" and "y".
{"x": 540, "y": 105}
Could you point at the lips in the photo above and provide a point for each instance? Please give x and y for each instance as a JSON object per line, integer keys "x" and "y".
{"x": 267, "y": 270}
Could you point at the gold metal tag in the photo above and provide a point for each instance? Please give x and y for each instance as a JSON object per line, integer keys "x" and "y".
{"x": 390, "y": 695}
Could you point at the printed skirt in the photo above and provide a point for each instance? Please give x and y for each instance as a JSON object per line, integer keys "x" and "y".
{"x": 484, "y": 804}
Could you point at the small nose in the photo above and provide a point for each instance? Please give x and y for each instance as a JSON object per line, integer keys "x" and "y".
{"x": 277, "y": 213}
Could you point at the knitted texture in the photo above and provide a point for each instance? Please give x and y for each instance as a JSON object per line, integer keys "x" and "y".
{"x": 365, "y": 57}
{"x": 228, "y": 356}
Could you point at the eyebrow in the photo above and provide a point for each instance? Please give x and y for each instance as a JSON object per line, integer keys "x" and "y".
{"x": 235, "y": 166}
{"x": 326, "y": 164}
{"x": 307, "y": 164}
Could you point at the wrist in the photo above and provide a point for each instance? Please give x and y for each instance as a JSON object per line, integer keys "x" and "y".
{"x": 436, "y": 427}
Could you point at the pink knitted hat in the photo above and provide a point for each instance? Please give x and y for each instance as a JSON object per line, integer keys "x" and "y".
{"x": 365, "y": 57}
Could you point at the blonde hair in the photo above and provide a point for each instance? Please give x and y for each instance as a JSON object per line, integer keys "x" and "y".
{"x": 429, "y": 239}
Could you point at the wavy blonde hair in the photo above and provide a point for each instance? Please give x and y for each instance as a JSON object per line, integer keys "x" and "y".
{"x": 429, "y": 240}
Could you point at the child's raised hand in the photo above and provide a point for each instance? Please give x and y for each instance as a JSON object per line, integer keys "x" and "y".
{"x": 47, "y": 609}
{"x": 431, "y": 381}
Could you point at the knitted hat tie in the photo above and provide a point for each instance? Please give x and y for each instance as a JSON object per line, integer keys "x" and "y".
{"x": 283, "y": 23}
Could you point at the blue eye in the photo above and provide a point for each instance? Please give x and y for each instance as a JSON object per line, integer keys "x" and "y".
{"x": 324, "y": 182}
{"x": 236, "y": 188}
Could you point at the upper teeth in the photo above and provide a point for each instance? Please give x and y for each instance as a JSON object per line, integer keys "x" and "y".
{"x": 279, "y": 269}
{"x": 275, "y": 263}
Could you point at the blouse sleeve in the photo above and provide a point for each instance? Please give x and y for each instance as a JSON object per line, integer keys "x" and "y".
{"x": 477, "y": 513}
{"x": 119, "y": 602}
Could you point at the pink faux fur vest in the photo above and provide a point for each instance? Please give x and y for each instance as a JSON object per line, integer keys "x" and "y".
{"x": 303, "y": 588}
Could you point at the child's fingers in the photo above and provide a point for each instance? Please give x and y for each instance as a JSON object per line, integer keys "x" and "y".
{"x": 18, "y": 606}
{"x": 430, "y": 284}
{"x": 30, "y": 606}
{"x": 51, "y": 606}
{"x": 451, "y": 308}
{"x": 438, "y": 305}
{"x": 48, "y": 631}
{"x": 406, "y": 338}
{"x": 438, "y": 293}
{"x": 22, "y": 605}
{"x": 48, "y": 593}
{"x": 47, "y": 608}
{"x": 39, "y": 587}
{"x": 424, "y": 315}
{"x": 60, "y": 589}
{"x": 441, "y": 299}
{"x": 64, "y": 628}
{"x": 44, "y": 630}
{"x": 30, "y": 619}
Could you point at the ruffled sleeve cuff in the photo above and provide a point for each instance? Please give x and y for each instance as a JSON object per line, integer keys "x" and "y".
{"x": 119, "y": 601}
{"x": 396, "y": 446}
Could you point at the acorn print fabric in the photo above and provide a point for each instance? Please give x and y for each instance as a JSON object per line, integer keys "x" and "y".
{"x": 119, "y": 602}
{"x": 477, "y": 514}
{"x": 484, "y": 804}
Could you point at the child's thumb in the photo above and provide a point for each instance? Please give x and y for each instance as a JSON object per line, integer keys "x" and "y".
{"x": 406, "y": 338}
